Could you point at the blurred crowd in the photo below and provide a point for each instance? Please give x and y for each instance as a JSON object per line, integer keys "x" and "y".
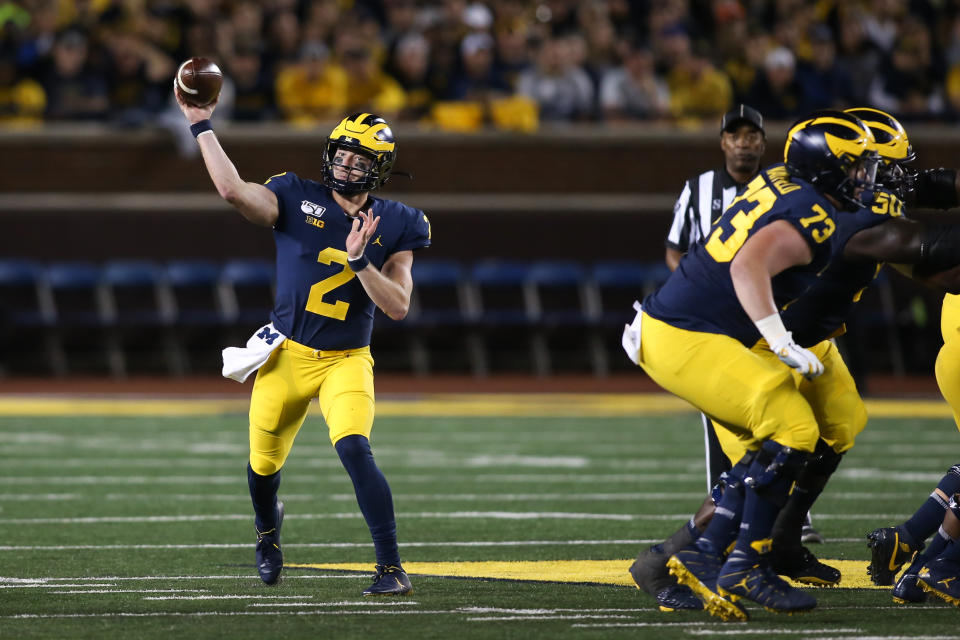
{"x": 458, "y": 64}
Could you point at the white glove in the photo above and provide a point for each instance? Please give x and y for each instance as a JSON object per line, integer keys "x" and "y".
{"x": 796, "y": 357}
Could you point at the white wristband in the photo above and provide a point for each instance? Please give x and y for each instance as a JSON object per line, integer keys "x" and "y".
{"x": 771, "y": 328}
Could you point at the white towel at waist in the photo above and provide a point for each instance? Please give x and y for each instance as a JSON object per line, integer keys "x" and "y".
{"x": 240, "y": 362}
{"x": 631, "y": 336}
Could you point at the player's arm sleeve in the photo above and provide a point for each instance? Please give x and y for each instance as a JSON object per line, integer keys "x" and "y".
{"x": 416, "y": 233}
{"x": 679, "y": 235}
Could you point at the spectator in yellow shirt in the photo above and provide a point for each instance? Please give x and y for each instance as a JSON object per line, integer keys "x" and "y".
{"x": 22, "y": 100}
{"x": 369, "y": 88}
{"x": 312, "y": 90}
{"x": 697, "y": 89}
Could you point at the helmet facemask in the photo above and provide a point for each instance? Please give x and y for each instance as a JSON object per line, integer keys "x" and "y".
{"x": 860, "y": 181}
{"x": 894, "y": 149}
{"x": 897, "y": 176}
{"x": 367, "y": 179}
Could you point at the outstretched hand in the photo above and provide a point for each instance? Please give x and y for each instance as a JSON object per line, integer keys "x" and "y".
{"x": 192, "y": 113}
{"x": 364, "y": 225}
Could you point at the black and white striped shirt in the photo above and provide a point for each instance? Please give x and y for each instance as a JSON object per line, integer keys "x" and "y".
{"x": 701, "y": 202}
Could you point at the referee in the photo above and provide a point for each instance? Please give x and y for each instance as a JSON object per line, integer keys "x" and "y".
{"x": 703, "y": 199}
{"x": 706, "y": 196}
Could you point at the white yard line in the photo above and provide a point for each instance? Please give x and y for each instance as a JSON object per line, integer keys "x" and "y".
{"x": 226, "y": 597}
{"x": 426, "y": 497}
{"x": 54, "y": 582}
{"x": 429, "y": 515}
{"x": 339, "y": 545}
{"x": 344, "y": 603}
{"x": 79, "y": 591}
{"x": 768, "y": 631}
{"x": 532, "y": 612}
{"x": 54, "y": 585}
{"x": 549, "y": 617}
{"x": 214, "y": 614}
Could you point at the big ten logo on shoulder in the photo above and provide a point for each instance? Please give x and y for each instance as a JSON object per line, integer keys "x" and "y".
{"x": 314, "y": 213}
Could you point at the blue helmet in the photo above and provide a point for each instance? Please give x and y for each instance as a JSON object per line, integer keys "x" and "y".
{"x": 836, "y": 153}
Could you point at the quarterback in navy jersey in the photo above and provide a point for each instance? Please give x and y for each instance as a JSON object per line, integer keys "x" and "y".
{"x": 722, "y": 299}
{"x": 341, "y": 253}
{"x": 311, "y": 224}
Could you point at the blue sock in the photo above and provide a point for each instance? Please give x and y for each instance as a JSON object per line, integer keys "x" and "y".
{"x": 725, "y": 522}
{"x": 934, "y": 549}
{"x": 263, "y": 493}
{"x": 373, "y": 496}
{"x": 772, "y": 474}
{"x": 922, "y": 524}
{"x": 952, "y": 551}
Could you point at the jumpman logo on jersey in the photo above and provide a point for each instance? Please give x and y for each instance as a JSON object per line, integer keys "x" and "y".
{"x": 377, "y": 241}
{"x": 268, "y": 336}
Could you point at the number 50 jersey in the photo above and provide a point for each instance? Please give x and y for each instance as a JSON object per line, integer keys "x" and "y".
{"x": 699, "y": 295}
{"x": 319, "y": 300}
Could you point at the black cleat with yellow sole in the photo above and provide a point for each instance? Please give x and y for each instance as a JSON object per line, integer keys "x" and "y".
{"x": 801, "y": 565}
{"x": 890, "y": 549}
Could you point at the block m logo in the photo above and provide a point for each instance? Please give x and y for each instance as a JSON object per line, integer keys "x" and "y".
{"x": 268, "y": 336}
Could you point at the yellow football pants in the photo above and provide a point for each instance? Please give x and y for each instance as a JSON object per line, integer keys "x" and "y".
{"x": 285, "y": 384}
{"x": 755, "y": 398}
{"x": 833, "y": 397}
{"x": 947, "y": 367}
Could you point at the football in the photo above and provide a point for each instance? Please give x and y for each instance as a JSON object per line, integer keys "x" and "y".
{"x": 198, "y": 81}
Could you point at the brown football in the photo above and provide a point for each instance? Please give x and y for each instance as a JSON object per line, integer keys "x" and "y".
{"x": 199, "y": 81}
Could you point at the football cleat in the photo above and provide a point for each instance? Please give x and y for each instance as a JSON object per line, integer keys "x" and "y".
{"x": 941, "y": 577}
{"x": 890, "y": 548}
{"x": 649, "y": 571}
{"x": 756, "y": 581}
{"x": 801, "y": 565}
{"x": 678, "y": 598}
{"x": 808, "y": 534}
{"x": 698, "y": 570}
{"x": 907, "y": 591}
{"x": 389, "y": 581}
{"x": 269, "y": 555}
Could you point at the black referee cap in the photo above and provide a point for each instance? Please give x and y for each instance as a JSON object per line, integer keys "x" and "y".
{"x": 740, "y": 114}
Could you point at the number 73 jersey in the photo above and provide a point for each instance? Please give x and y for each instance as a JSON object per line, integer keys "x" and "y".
{"x": 699, "y": 295}
{"x": 319, "y": 300}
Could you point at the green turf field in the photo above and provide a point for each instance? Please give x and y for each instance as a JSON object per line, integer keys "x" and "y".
{"x": 132, "y": 520}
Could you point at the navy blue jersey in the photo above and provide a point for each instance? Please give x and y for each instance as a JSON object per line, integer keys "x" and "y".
{"x": 699, "y": 295}
{"x": 821, "y": 311}
{"x": 319, "y": 301}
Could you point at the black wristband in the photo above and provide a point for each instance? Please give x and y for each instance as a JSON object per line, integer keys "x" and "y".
{"x": 200, "y": 127}
{"x": 358, "y": 264}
